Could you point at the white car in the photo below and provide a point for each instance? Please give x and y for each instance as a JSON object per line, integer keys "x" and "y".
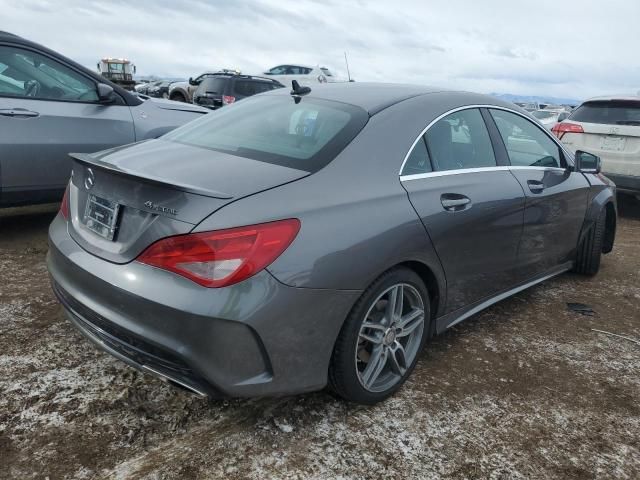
{"x": 610, "y": 128}
{"x": 549, "y": 117}
{"x": 304, "y": 74}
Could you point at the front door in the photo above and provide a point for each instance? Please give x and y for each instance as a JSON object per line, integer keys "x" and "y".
{"x": 48, "y": 110}
{"x": 556, "y": 197}
{"x": 470, "y": 206}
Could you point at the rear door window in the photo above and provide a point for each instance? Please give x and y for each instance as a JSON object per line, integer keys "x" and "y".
{"x": 460, "y": 140}
{"x": 418, "y": 160}
{"x": 527, "y": 145}
{"x": 611, "y": 112}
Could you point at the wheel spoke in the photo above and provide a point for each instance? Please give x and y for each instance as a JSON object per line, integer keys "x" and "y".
{"x": 397, "y": 358}
{"x": 410, "y": 322}
{"x": 395, "y": 304}
{"x": 372, "y": 338}
{"x": 375, "y": 366}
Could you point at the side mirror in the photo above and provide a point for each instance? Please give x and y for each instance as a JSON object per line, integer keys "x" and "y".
{"x": 105, "y": 93}
{"x": 192, "y": 81}
{"x": 587, "y": 162}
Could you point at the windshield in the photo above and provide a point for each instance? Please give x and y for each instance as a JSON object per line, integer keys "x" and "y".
{"x": 611, "y": 112}
{"x": 274, "y": 129}
{"x": 541, "y": 114}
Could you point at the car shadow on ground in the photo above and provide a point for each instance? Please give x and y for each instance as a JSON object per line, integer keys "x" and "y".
{"x": 628, "y": 206}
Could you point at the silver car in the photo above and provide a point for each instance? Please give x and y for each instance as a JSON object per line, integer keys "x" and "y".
{"x": 50, "y": 106}
{"x": 320, "y": 236}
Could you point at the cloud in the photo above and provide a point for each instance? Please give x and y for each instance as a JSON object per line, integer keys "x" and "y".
{"x": 542, "y": 48}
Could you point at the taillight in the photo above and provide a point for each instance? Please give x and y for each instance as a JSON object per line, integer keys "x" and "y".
{"x": 64, "y": 205}
{"x": 222, "y": 257}
{"x": 561, "y": 128}
{"x": 228, "y": 99}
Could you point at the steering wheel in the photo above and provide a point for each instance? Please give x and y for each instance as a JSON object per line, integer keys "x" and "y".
{"x": 31, "y": 88}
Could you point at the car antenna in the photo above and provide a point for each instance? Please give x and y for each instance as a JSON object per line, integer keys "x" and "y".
{"x": 297, "y": 91}
{"x": 347, "y": 63}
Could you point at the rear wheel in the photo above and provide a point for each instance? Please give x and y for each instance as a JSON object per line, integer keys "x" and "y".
{"x": 379, "y": 343}
{"x": 590, "y": 251}
{"x": 178, "y": 97}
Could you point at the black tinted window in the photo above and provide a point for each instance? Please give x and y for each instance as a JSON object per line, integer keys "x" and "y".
{"x": 252, "y": 87}
{"x": 460, "y": 140}
{"x": 305, "y": 135}
{"x": 527, "y": 145}
{"x": 613, "y": 112}
{"x": 213, "y": 85}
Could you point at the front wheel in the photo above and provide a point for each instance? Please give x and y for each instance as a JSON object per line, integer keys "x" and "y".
{"x": 590, "y": 250}
{"x": 379, "y": 343}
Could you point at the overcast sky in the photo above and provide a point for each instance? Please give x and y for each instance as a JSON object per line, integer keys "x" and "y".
{"x": 562, "y": 48}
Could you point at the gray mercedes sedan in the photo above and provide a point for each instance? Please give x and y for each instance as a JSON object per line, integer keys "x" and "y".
{"x": 303, "y": 239}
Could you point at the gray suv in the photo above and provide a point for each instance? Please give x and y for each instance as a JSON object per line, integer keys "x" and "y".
{"x": 50, "y": 106}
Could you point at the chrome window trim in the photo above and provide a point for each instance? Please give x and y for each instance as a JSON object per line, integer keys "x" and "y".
{"x": 568, "y": 156}
{"x": 497, "y": 168}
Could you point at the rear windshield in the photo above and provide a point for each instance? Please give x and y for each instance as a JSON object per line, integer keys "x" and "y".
{"x": 213, "y": 85}
{"x": 274, "y": 129}
{"x": 611, "y": 112}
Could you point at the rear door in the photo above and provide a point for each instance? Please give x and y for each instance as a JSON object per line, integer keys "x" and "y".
{"x": 470, "y": 205}
{"x": 611, "y": 130}
{"x": 556, "y": 197}
{"x": 47, "y": 109}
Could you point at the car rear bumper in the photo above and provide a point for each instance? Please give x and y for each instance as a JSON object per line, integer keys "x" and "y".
{"x": 625, "y": 183}
{"x": 258, "y": 337}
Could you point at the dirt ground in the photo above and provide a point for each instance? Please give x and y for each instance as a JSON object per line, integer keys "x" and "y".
{"x": 525, "y": 389}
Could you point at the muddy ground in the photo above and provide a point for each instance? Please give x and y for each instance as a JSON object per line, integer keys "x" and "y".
{"x": 523, "y": 390}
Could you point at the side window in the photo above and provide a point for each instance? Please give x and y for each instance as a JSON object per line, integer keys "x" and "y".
{"x": 526, "y": 144}
{"x": 24, "y": 73}
{"x": 418, "y": 160}
{"x": 460, "y": 140}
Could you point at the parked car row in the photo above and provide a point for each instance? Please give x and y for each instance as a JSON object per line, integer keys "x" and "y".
{"x": 231, "y": 85}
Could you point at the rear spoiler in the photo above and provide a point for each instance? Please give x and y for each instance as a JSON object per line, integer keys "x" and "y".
{"x": 89, "y": 160}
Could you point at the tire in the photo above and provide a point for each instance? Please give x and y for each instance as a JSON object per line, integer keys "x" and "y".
{"x": 178, "y": 97}
{"x": 590, "y": 251}
{"x": 360, "y": 371}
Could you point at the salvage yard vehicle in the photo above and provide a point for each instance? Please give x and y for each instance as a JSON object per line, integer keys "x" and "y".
{"x": 50, "y": 106}
{"x": 609, "y": 127}
{"x": 119, "y": 71}
{"x": 319, "y": 236}
{"x": 549, "y": 117}
{"x": 225, "y": 88}
{"x": 183, "y": 91}
{"x": 303, "y": 74}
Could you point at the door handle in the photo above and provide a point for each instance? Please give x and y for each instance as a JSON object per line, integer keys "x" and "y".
{"x": 18, "y": 112}
{"x": 454, "y": 202}
{"x": 535, "y": 186}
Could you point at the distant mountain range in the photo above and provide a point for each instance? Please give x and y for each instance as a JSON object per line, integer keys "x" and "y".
{"x": 536, "y": 98}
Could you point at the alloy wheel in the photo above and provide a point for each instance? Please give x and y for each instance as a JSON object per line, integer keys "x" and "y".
{"x": 389, "y": 337}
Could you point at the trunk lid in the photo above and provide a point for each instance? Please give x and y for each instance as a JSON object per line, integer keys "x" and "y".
{"x": 156, "y": 189}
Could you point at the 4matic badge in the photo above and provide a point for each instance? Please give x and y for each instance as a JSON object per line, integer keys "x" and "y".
{"x": 153, "y": 206}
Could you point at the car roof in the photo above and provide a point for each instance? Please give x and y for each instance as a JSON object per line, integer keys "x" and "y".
{"x": 604, "y": 98}
{"x": 375, "y": 97}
